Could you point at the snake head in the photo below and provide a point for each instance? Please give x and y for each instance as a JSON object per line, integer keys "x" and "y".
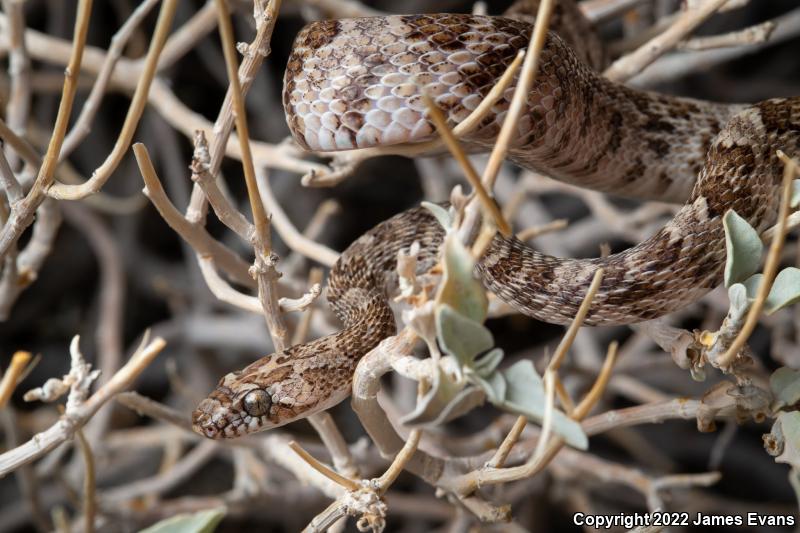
{"x": 229, "y": 413}
{"x": 275, "y": 390}
{"x": 358, "y": 83}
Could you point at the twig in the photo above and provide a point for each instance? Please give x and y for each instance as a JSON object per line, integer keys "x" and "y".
{"x": 164, "y": 481}
{"x": 111, "y": 296}
{"x": 334, "y": 442}
{"x": 400, "y": 460}
{"x": 11, "y": 376}
{"x": 22, "y": 213}
{"x": 530, "y": 66}
{"x": 226, "y": 213}
{"x": 752, "y": 35}
{"x": 20, "y": 145}
{"x": 491, "y": 476}
{"x": 501, "y": 454}
{"x": 301, "y": 331}
{"x": 512, "y": 437}
{"x": 89, "y": 497}
{"x": 535, "y": 231}
{"x": 263, "y": 269}
{"x": 155, "y": 410}
{"x": 119, "y": 40}
{"x": 197, "y": 237}
{"x": 469, "y": 171}
{"x": 78, "y": 415}
{"x": 24, "y": 268}
{"x": 259, "y": 215}
{"x": 19, "y": 68}
{"x": 547, "y": 419}
{"x": 577, "y": 322}
{"x": 675, "y": 66}
{"x": 293, "y": 238}
{"x": 631, "y": 64}
{"x": 345, "y": 482}
{"x": 99, "y": 177}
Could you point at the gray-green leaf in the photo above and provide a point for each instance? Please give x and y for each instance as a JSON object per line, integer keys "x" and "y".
{"x": 460, "y": 336}
{"x": 445, "y": 401}
{"x": 199, "y": 522}
{"x": 525, "y": 395}
{"x": 459, "y": 287}
{"x": 785, "y": 290}
{"x": 743, "y": 246}
{"x": 790, "y": 429}
{"x": 487, "y": 364}
{"x": 795, "y": 199}
{"x": 785, "y": 385}
{"x": 494, "y": 385}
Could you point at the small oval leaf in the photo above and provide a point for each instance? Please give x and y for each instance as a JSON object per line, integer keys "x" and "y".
{"x": 487, "y": 364}
{"x": 790, "y": 429}
{"x": 199, "y": 522}
{"x": 743, "y": 247}
{"x": 494, "y": 386}
{"x": 460, "y": 336}
{"x": 525, "y": 395}
{"x": 785, "y": 385}
{"x": 795, "y": 199}
{"x": 785, "y": 290}
{"x": 445, "y": 401}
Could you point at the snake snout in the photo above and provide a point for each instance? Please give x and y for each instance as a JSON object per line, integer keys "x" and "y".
{"x": 207, "y": 419}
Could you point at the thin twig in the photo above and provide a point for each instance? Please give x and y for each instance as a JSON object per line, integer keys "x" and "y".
{"x": 119, "y": 41}
{"x": 469, "y": 171}
{"x": 547, "y": 419}
{"x": 752, "y": 35}
{"x": 19, "y": 69}
{"x": 530, "y": 66}
{"x": 577, "y": 322}
{"x": 631, "y": 64}
{"x": 288, "y": 232}
{"x": 64, "y": 429}
{"x": 22, "y": 214}
{"x": 240, "y": 116}
{"x": 197, "y": 237}
{"x": 400, "y": 460}
{"x": 264, "y": 266}
{"x": 89, "y": 497}
{"x": 11, "y": 376}
{"x": 492, "y": 476}
{"x": 345, "y": 482}
{"x": 500, "y": 456}
{"x": 101, "y": 175}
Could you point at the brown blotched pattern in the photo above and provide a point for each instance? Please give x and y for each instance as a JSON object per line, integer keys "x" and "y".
{"x": 355, "y": 83}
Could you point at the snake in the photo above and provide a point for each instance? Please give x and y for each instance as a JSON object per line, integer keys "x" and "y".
{"x": 359, "y": 83}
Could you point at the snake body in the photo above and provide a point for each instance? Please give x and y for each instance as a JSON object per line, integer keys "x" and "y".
{"x": 356, "y": 83}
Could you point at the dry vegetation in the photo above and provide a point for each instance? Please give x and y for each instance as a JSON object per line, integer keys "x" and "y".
{"x": 221, "y": 260}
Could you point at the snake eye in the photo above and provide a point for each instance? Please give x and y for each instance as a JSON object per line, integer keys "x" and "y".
{"x": 257, "y": 402}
